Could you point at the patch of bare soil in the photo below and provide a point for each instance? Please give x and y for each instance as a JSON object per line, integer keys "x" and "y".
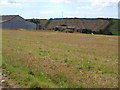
{"x": 6, "y": 81}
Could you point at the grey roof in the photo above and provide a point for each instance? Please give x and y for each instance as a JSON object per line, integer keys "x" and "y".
{"x": 70, "y": 26}
{"x": 4, "y": 18}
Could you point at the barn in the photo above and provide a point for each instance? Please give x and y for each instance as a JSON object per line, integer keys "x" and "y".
{"x": 15, "y": 22}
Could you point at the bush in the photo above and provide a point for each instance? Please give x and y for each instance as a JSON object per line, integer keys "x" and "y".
{"x": 63, "y": 25}
{"x": 88, "y": 31}
{"x": 56, "y": 29}
{"x": 64, "y": 30}
{"x": 35, "y": 84}
{"x": 105, "y": 32}
{"x": 50, "y": 29}
{"x": 68, "y": 30}
{"x": 37, "y": 21}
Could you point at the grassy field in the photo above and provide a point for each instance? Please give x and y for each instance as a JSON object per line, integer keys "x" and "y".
{"x": 44, "y": 59}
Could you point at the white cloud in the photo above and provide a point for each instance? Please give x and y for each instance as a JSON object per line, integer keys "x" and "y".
{"x": 84, "y": 7}
{"x": 47, "y": 12}
{"x": 56, "y": 1}
{"x": 104, "y": 3}
{"x": 9, "y": 3}
{"x": 3, "y": 1}
{"x": 94, "y": 3}
{"x": 99, "y": 4}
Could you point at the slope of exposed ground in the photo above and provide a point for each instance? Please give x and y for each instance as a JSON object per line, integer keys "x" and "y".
{"x": 92, "y": 24}
{"x": 60, "y": 60}
{"x": 43, "y": 22}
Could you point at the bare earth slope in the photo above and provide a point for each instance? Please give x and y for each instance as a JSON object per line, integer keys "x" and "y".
{"x": 92, "y": 24}
{"x": 43, "y": 21}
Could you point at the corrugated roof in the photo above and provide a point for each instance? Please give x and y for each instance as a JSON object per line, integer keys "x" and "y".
{"x": 4, "y": 18}
{"x": 70, "y": 26}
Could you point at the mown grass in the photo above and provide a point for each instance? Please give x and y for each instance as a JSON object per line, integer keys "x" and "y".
{"x": 42, "y": 59}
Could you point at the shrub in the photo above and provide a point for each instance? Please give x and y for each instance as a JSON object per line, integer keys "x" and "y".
{"x": 62, "y": 25}
{"x": 37, "y": 21}
{"x": 88, "y": 31}
{"x": 68, "y": 30}
{"x": 105, "y": 32}
{"x": 35, "y": 84}
{"x": 31, "y": 73}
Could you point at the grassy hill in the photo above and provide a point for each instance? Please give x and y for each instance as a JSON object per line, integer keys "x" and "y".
{"x": 114, "y": 26}
{"x": 44, "y": 59}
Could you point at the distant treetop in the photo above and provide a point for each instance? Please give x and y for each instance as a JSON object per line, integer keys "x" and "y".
{"x": 63, "y": 25}
{"x": 37, "y": 21}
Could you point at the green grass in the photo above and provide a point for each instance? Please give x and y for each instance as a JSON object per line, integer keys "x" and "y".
{"x": 43, "y": 59}
{"x": 114, "y": 27}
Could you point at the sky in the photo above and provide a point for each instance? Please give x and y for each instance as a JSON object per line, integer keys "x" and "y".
{"x": 45, "y": 9}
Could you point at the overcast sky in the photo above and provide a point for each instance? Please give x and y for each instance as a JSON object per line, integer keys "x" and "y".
{"x": 44, "y": 9}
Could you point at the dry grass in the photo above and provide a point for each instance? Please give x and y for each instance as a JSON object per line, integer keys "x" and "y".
{"x": 55, "y": 59}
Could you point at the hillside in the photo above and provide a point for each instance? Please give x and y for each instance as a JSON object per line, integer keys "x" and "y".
{"x": 43, "y": 22}
{"x": 108, "y": 26}
{"x": 114, "y": 26}
{"x": 92, "y": 24}
{"x": 48, "y": 59}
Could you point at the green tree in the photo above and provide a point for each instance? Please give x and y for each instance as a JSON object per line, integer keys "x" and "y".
{"x": 37, "y": 21}
{"x": 63, "y": 25}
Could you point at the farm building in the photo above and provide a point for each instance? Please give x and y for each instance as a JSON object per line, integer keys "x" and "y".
{"x": 75, "y": 29}
{"x": 15, "y": 22}
{"x": 93, "y": 24}
{"x": 40, "y": 27}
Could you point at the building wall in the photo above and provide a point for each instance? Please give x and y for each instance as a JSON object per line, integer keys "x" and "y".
{"x": 18, "y": 23}
{"x": 0, "y": 25}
